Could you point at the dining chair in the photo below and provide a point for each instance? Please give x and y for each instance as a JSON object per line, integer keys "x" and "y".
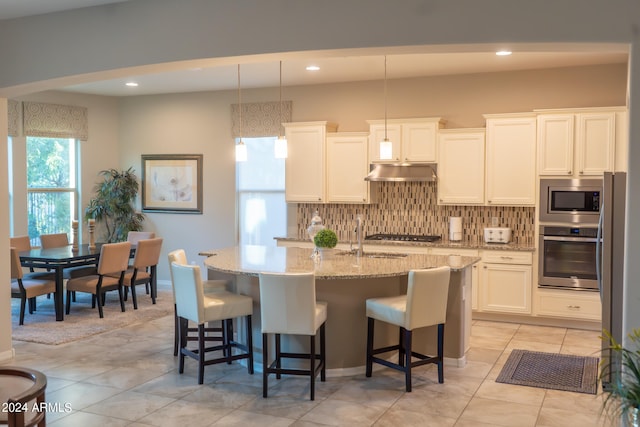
{"x": 143, "y": 270}
{"x": 134, "y": 237}
{"x": 288, "y": 306}
{"x": 114, "y": 258}
{"x": 425, "y": 304}
{"x": 180, "y": 257}
{"x": 22, "y": 390}
{"x": 193, "y": 305}
{"x": 27, "y": 288}
{"x": 22, "y": 244}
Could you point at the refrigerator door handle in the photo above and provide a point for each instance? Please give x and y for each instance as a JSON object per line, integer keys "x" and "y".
{"x": 599, "y": 250}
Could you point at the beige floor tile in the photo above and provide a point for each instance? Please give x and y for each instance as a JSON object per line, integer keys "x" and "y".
{"x": 341, "y": 413}
{"x": 499, "y": 413}
{"x": 169, "y": 385}
{"x": 551, "y": 417}
{"x": 129, "y": 405}
{"x": 398, "y": 417}
{"x": 583, "y": 402}
{"x": 541, "y": 346}
{"x": 490, "y": 389}
{"x": 224, "y": 395}
{"x": 185, "y": 414}
{"x": 81, "y": 395}
{"x": 280, "y": 406}
{"x": 242, "y": 418}
{"x": 427, "y": 402}
{"x": 479, "y": 354}
{"x": 124, "y": 378}
{"x": 83, "y": 419}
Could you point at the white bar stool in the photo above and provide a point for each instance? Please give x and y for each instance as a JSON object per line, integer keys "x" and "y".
{"x": 288, "y": 306}
{"x": 193, "y": 305}
{"x": 425, "y": 304}
{"x": 180, "y": 257}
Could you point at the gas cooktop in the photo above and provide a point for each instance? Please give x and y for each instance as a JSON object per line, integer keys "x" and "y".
{"x": 403, "y": 237}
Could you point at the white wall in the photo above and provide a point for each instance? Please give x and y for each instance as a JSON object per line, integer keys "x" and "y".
{"x": 42, "y": 52}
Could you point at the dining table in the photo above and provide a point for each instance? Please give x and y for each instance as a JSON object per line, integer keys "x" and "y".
{"x": 61, "y": 258}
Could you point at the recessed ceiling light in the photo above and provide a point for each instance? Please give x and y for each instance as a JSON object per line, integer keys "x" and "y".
{"x": 312, "y": 68}
{"x": 503, "y": 53}
{"x": 131, "y": 84}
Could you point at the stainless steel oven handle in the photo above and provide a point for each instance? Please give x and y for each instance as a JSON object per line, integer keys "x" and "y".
{"x": 571, "y": 239}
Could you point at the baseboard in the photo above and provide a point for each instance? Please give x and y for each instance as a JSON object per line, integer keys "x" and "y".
{"x": 7, "y": 355}
{"x": 538, "y": 320}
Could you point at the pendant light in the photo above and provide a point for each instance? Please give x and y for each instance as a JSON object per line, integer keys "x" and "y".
{"x": 386, "y": 147}
{"x": 280, "y": 147}
{"x": 241, "y": 149}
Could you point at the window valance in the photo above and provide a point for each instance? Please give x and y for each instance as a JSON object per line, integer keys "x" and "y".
{"x": 14, "y": 117}
{"x": 55, "y": 121}
{"x": 259, "y": 119}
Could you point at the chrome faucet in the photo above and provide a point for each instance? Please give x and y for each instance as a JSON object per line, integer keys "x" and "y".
{"x": 359, "y": 250}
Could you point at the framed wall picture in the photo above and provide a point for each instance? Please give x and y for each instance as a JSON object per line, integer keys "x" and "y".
{"x": 172, "y": 183}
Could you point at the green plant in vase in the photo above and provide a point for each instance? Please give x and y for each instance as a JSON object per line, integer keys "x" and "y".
{"x": 325, "y": 239}
{"x": 624, "y": 365}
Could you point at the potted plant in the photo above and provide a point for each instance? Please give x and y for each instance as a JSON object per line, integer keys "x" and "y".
{"x": 624, "y": 365}
{"x": 112, "y": 204}
{"x": 325, "y": 239}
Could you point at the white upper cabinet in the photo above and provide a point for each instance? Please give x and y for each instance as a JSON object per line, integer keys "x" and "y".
{"x": 511, "y": 159}
{"x": 595, "y": 143}
{"x": 306, "y": 162}
{"x": 555, "y": 144}
{"x": 579, "y": 142}
{"x": 461, "y": 166}
{"x": 347, "y": 165}
{"x": 413, "y": 140}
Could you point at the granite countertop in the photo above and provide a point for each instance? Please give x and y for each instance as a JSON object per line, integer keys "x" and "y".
{"x": 252, "y": 260}
{"x": 513, "y": 246}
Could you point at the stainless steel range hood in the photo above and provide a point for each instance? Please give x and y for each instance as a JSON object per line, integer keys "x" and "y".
{"x": 402, "y": 172}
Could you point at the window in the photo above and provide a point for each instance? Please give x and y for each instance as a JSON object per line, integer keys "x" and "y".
{"x": 51, "y": 186}
{"x": 260, "y": 187}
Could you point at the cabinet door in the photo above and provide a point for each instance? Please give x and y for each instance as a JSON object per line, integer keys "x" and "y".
{"x": 555, "y": 144}
{"x": 347, "y": 166}
{"x": 419, "y": 142}
{"x": 506, "y": 288}
{"x": 376, "y": 134}
{"x": 305, "y": 164}
{"x": 595, "y": 141}
{"x": 461, "y": 168}
{"x": 511, "y": 161}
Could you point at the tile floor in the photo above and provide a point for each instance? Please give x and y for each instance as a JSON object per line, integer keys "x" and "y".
{"x": 129, "y": 377}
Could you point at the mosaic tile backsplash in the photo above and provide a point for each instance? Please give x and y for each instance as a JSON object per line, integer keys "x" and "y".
{"x": 411, "y": 208}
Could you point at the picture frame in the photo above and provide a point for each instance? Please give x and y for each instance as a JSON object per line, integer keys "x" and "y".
{"x": 172, "y": 183}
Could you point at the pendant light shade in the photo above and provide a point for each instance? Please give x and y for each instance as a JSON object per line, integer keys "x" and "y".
{"x": 386, "y": 146}
{"x": 280, "y": 147}
{"x": 241, "y": 149}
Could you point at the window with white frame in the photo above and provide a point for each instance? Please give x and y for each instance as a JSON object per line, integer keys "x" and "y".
{"x": 260, "y": 192}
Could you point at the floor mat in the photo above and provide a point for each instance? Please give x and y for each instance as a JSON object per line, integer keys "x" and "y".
{"x": 551, "y": 370}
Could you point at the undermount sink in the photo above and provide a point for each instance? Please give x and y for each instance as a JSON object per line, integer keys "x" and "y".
{"x": 374, "y": 254}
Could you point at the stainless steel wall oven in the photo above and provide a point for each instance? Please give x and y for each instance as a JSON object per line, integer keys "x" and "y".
{"x": 568, "y": 258}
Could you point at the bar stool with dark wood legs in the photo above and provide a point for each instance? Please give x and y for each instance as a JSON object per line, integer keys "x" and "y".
{"x": 193, "y": 305}
{"x": 288, "y": 306}
{"x": 425, "y": 304}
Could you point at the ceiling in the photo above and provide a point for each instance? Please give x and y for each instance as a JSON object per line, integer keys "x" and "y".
{"x": 335, "y": 67}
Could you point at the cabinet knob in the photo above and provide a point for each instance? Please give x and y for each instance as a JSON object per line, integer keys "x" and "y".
{"x": 573, "y": 307}
{"x": 319, "y": 199}
{"x": 581, "y": 172}
{"x": 506, "y": 257}
{"x": 569, "y": 172}
{"x": 488, "y": 201}
{"x": 485, "y": 267}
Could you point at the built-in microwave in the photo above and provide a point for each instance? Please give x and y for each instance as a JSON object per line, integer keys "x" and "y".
{"x": 571, "y": 201}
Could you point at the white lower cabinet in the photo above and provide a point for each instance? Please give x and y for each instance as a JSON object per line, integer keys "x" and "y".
{"x": 505, "y": 282}
{"x": 474, "y": 269}
{"x": 579, "y": 305}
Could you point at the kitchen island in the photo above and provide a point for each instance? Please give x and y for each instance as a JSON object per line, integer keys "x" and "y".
{"x": 345, "y": 281}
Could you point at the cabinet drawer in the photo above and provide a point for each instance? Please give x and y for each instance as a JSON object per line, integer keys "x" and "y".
{"x": 454, "y": 251}
{"x": 507, "y": 257}
{"x": 576, "y": 305}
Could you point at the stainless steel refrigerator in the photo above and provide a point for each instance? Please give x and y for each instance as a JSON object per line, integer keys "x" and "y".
{"x": 610, "y": 259}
